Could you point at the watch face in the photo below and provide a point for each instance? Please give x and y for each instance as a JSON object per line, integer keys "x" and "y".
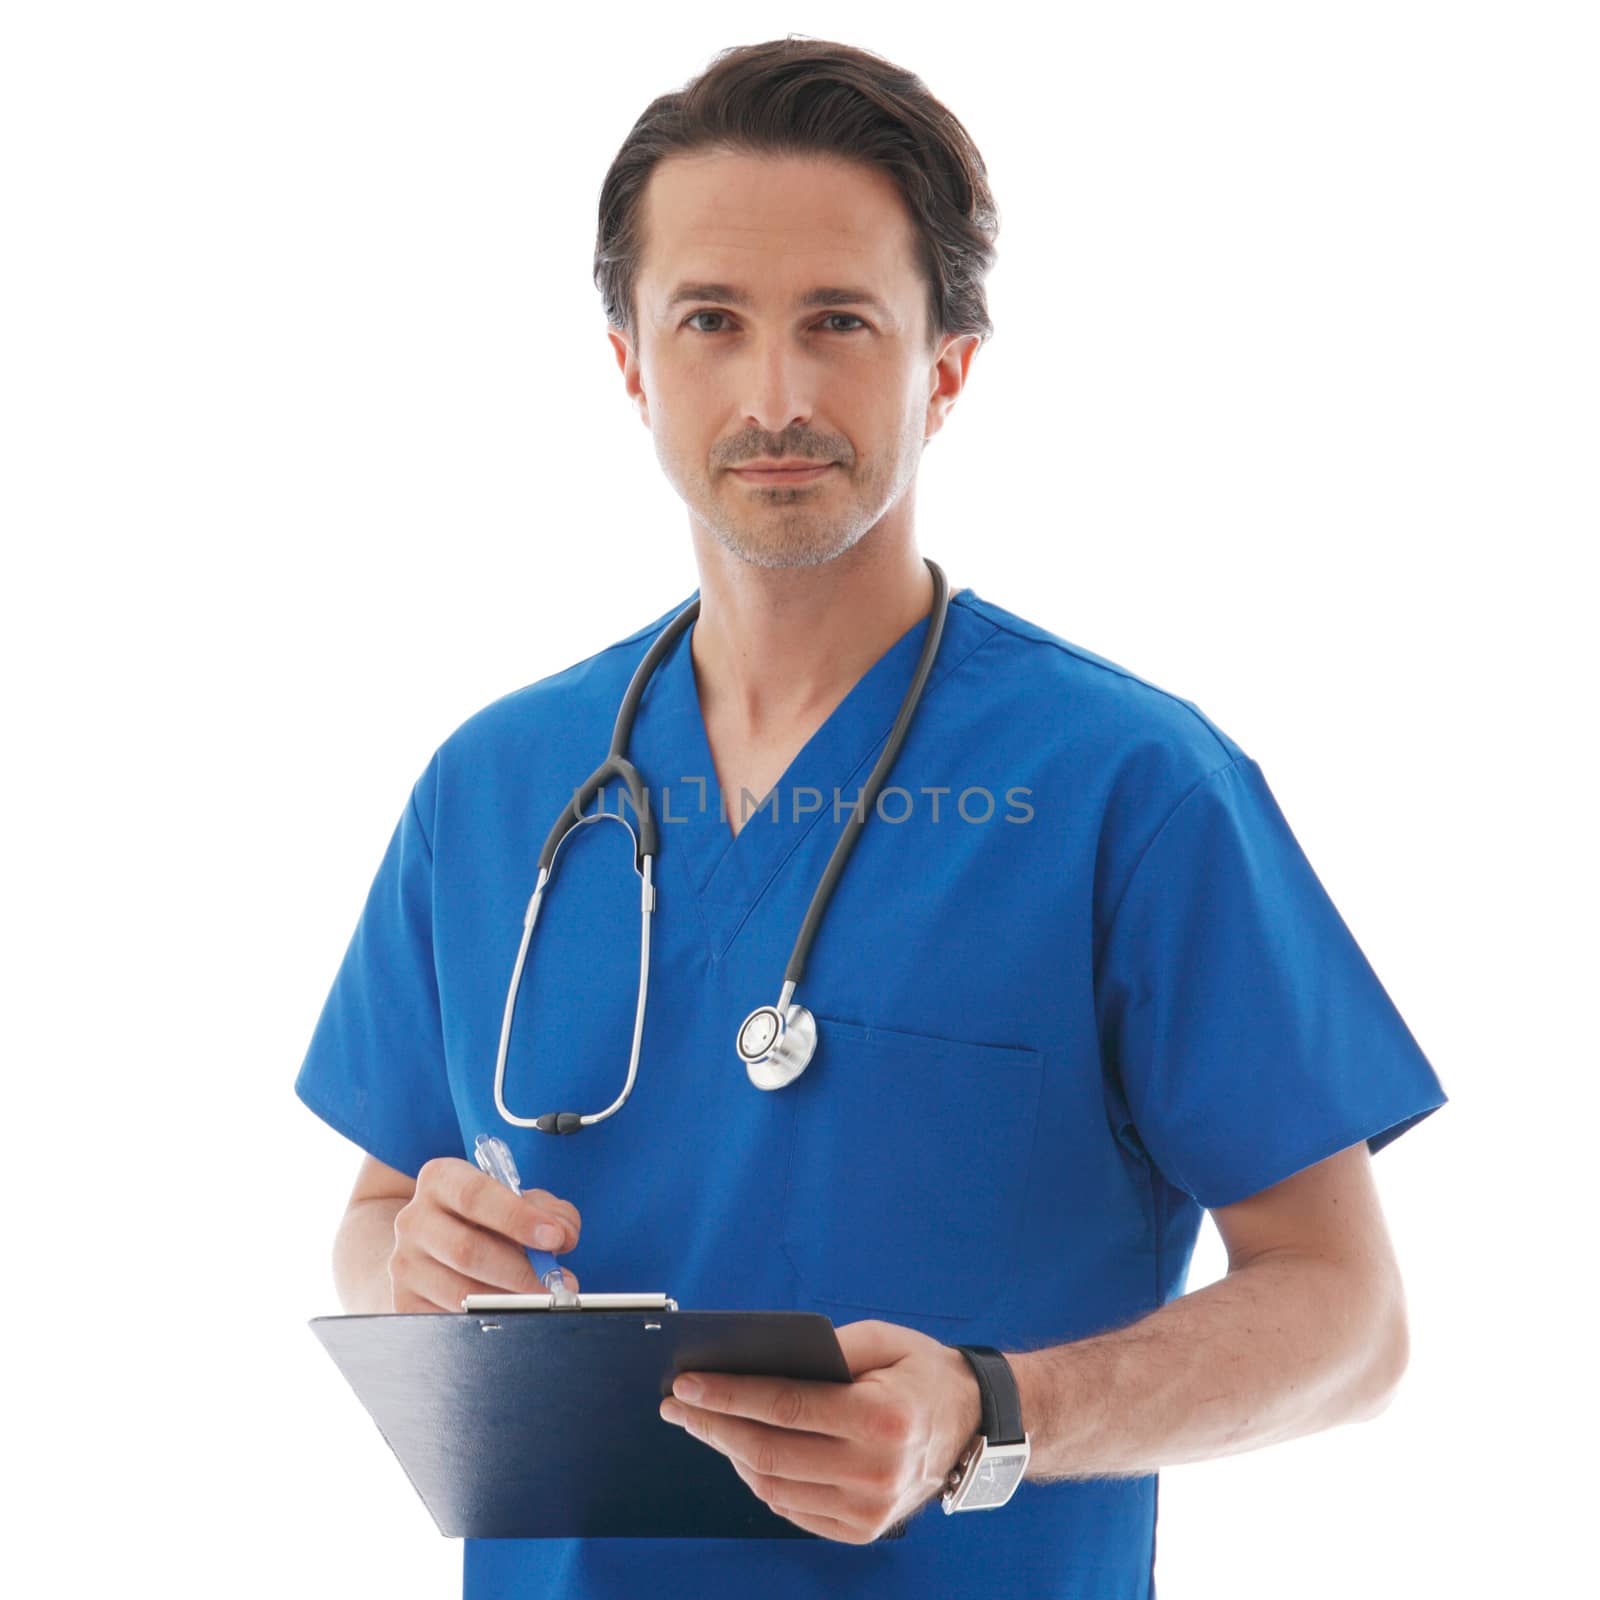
{"x": 991, "y": 1479}
{"x": 997, "y": 1476}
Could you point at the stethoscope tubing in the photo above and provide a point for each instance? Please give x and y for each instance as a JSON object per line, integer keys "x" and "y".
{"x": 791, "y": 1038}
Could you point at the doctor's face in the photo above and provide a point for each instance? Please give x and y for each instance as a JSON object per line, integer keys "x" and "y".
{"x": 781, "y": 317}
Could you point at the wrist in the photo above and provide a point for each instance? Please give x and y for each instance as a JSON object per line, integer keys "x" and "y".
{"x": 1030, "y": 1390}
{"x": 969, "y": 1412}
{"x": 997, "y": 1451}
{"x": 965, "y": 1419}
{"x": 1066, "y": 1393}
{"x": 361, "y": 1252}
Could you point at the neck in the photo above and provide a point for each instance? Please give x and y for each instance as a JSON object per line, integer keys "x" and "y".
{"x": 773, "y": 644}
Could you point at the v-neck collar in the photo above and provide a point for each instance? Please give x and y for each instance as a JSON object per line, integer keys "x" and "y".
{"x": 728, "y": 873}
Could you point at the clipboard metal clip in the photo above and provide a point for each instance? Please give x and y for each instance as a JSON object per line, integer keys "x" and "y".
{"x": 568, "y": 1301}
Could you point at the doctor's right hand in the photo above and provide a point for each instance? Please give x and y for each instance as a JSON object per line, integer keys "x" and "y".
{"x": 463, "y": 1233}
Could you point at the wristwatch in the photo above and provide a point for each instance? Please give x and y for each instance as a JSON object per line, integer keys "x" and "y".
{"x": 991, "y": 1466}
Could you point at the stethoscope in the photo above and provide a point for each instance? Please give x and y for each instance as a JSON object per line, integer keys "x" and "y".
{"x": 774, "y": 1042}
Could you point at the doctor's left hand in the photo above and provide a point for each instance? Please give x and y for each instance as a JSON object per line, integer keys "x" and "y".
{"x": 843, "y": 1460}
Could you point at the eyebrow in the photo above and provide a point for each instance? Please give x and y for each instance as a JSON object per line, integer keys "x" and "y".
{"x": 733, "y": 296}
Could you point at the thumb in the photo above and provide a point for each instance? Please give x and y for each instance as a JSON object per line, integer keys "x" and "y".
{"x": 872, "y": 1344}
{"x": 539, "y": 1287}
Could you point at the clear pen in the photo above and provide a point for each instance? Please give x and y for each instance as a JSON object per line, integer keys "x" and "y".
{"x": 494, "y": 1156}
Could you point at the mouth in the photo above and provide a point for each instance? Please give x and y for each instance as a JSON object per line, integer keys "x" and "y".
{"x": 783, "y": 475}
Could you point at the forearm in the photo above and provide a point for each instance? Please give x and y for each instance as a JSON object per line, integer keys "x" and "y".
{"x": 1283, "y": 1346}
{"x": 361, "y": 1252}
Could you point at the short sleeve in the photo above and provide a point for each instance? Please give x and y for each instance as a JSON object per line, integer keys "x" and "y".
{"x": 375, "y": 1069}
{"x": 1250, "y": 1033}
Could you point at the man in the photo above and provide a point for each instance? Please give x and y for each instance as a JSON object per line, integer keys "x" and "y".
{"x": 1076, "y": 984}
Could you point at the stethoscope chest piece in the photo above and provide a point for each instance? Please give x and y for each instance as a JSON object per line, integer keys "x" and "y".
{"x": 776, "y": 1046}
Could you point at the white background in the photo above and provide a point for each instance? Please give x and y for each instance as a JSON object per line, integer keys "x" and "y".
{"x": 313, "y": 445}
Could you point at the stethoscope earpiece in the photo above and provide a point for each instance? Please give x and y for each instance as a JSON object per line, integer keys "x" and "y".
{"x": 776, "y": 1046}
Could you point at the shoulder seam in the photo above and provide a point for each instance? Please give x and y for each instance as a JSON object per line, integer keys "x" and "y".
{"x": 1105, "y": 666}
{"x": 417, "y": 818}
{"x": 1150, "y": 844}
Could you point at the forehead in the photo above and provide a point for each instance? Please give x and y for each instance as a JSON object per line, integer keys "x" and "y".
{"x": 774, "y": 226}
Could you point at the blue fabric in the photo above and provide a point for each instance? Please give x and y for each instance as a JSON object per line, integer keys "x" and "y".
{"x": 1108, "y": 995}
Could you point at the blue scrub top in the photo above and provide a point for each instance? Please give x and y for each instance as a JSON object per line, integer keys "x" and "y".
{"x": 1077, "y": 982}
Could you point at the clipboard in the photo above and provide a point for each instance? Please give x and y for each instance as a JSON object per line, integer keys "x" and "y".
{"x": 516, "y": 1418}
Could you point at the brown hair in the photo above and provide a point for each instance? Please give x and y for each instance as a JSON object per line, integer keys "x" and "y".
{"x": 796, "y": 96}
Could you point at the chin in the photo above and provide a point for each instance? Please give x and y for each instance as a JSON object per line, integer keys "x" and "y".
{"x": 798, "y": 547}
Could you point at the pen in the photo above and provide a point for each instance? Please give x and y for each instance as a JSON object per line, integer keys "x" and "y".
{"x": 494, "y": 1156}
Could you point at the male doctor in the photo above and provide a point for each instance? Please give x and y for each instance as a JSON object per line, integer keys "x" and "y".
{"x": 1076, "y": 985}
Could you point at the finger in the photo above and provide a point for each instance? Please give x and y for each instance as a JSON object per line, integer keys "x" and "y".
{"x": 827, "y": 1501}
{"x": 471, "y": 1194}
{"x": 872, "y": 1345}
{"x": 489, "y": 1204}
{"x": 427, "y": 1283}
{"x": 562, "y": 1210}
{"x": 824, "y": 1527}
{"x": 840, "y": 1410}
{"x": 491, "y": 1262}
{"x": 778, "y": 1453}
{"x": 465, "y": 1191}
{"x": 424, "y": 1284}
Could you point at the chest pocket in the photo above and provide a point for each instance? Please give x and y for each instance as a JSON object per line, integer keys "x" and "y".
{"x": 908, "y": 1169}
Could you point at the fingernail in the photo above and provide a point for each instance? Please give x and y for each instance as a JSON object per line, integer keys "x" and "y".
{"x": 547, "y": 1236}
{"x": 671, "y": 1412}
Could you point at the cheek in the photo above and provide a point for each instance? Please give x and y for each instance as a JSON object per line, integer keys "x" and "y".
{"x": 684, "y": 456}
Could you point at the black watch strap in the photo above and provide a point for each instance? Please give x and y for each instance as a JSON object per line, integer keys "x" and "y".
{"x": 997, "y": 1384}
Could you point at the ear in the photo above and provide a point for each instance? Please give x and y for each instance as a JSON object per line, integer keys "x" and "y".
{"x": 628, "y": 362}
{"x": 947, "y": 379}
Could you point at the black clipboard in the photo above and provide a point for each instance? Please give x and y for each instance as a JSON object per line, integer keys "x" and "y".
{"x": 514, "y": 1420}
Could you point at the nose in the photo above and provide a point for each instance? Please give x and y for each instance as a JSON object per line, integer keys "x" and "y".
{"x": 780, "y": 386}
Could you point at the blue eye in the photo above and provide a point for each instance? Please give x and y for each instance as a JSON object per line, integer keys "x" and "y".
{"x": 832, "y": 315}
